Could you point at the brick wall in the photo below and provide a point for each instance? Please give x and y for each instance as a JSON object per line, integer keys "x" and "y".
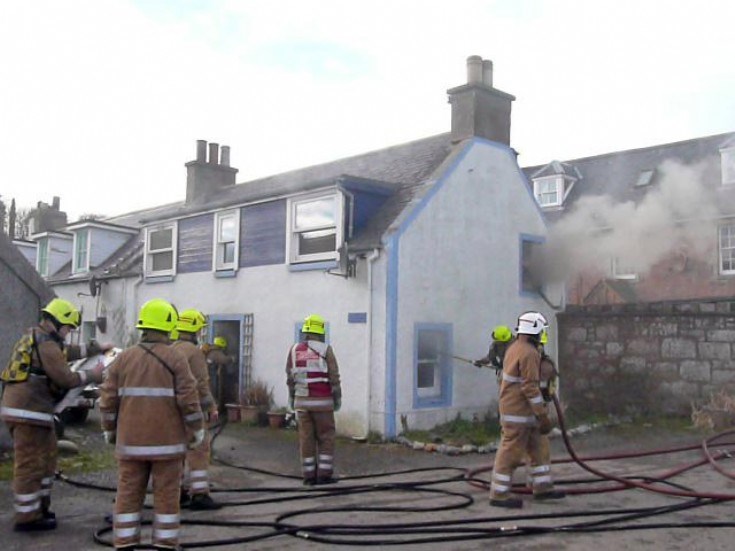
{"x": 641, "y": 359}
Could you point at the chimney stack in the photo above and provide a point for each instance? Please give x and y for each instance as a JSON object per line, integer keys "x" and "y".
{"x": 206, "y": 177}
{"x": 478, "y": 109}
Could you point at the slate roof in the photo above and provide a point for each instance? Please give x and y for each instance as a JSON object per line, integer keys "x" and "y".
{"x": 615, "y": 174}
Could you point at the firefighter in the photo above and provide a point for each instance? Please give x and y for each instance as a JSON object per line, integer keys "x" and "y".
{"x": 34, "y": 380}
{"x": 314, "y": 391}
{"x": 150, "y": 411}
{"x": 523, "y": 417}
{"x": 218, "y": 362}
{"x": 195, "y": 490}
{"x": 501, "y": 336}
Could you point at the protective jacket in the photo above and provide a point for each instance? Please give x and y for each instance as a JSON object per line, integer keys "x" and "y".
{"x": 548, "y": 375}
{"x": 32, "y": 401}
{"x": 216, "y": 357}
{"x": 520, "y": 394}
{"x": 150, "y": 399}
{"x": 198, "y": 365}
{"x": 312, "y": 375}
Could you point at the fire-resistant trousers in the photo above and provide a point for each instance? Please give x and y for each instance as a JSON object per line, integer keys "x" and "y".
{"x": 132, "y": 481}
{"x": 517, "y": 443}
{"x": 316, "y": 443}
{"x": 34, "y": 467}
{"x": 196, "y": 477}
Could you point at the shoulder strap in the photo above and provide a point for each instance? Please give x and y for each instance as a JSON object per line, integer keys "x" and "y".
{"x": 160, "y": 360}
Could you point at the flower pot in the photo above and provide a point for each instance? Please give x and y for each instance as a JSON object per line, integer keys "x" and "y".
{"x": 233, "y": 413}
{"x": 276, "y": 419}
{"x": 250, "y": 414}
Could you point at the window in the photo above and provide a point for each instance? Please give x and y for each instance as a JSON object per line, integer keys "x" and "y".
{"x": 530, "y": 280}
{"x": 42, "y": 260}
{"x": 315, "y": 228}
{"x": 81, "y": 251}
{"x": 727, "y": 157}
{"x": 644, "y": 178}
{"x": 727, "y": 249}
{"x": 227, "y": 238}
{"x": 548, "y": 191}
{"x": 620, "y": 270}
{"x": 160, "y": 250}
{"x": 432, "y": 374}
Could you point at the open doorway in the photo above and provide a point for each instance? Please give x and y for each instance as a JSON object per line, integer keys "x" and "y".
{"x": 237, "y": 330}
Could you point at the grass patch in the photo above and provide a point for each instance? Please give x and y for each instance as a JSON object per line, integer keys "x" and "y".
{"x": 459, "y": 432}
{"x": 84, "y": 462}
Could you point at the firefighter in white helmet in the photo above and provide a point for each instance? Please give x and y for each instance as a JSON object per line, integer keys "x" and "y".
{"x": 33, "y": 382}
{"x": 523, "y": 417}
{"x": 195, "y": 490}
{"x": 314, "y": 390}
{"x": 150, "y": 410}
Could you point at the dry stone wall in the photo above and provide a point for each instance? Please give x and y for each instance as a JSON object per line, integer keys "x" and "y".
{"x": 646, "y": 359}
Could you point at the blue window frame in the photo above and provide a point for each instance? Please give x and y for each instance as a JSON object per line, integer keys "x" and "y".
{"x": 432, "y": 351}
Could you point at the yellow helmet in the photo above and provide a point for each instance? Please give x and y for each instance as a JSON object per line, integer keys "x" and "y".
{"x": 544, "y": 337}
{"x": 502, "y": 333}
{"x": 220, "y": 341}
{"x": 191, "y": 321}
{"x": 313, "y": 324}
{"x": 157, "y": 314}
{"x": 64, "y": 312}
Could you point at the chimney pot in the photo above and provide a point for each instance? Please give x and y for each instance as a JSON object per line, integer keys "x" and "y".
{"x": 225, "y": 155}
{"x": 487, "y": 72}
{"x": 202, "y": 150}
{"x": 56, "y": 203}
{"x": 213, "y": 153}
{"x": 474, "y": 69}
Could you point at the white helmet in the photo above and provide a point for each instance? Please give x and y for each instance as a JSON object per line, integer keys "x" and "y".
{"x": 531, "y": 323}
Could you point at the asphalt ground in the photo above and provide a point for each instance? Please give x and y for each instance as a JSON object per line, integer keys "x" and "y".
{"x": 426, "y": 505}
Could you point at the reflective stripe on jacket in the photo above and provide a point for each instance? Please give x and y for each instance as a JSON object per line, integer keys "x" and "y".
{"x": 313, "y": 376}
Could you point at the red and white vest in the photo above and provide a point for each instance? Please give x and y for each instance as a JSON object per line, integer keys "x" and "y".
{"x": 312, "y": 389}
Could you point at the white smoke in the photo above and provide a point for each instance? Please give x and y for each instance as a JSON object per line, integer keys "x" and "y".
{"x": 676, "y": 215}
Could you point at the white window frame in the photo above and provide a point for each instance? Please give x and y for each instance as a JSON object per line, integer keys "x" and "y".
{"x": 81, "y": 267}
{"x": 727, "y": 165}
{"x": 149, "y": 254}
{"x": 43, "y": 247}
{"x": 294, "y": 233}
{"x": 618, "y": 273}
{"x": 219, "y": 245}
{"x": 726, "y": 248}
{"x": 557, "y": 181}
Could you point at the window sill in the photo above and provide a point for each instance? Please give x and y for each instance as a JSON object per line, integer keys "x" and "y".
{"x": 311, "y": 266}
{"x": 159, "y": 279}
{"x": 223, "y": 274}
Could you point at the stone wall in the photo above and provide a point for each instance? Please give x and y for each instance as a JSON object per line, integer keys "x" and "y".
{"x": 645, "y": 359}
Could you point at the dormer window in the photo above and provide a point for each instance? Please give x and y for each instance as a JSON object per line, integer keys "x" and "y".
{"x": 81, "y": 252}
{"x": 620, "y": 270}
{"x": 42, "y": 258}
{"x": 315, "y": 227}
{"x": 727, "y": 158}
{"x": 549, "y": 190}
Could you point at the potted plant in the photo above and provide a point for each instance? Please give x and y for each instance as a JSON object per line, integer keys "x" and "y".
{"x": 256, "y": 399}
{"x": 277, "y": 417}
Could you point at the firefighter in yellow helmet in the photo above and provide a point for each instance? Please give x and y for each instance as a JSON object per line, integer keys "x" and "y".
{"x": 314, "y": 390}
{"x": 150, "y": 411}
{"x": 502, "y": 337}
{"x": 523, "y": 416}
{"x": 195, "y": 490}
{"x": 219, "y": 362}
{"x": 33, "y": 382}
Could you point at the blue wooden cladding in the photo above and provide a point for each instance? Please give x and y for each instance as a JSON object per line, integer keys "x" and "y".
{"x": 263, "y": 234}
{"x": 195, "y": 244}
{"x": 357, "y": 317}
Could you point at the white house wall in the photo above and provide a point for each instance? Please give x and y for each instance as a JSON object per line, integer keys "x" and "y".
{"x": 456, "y": 261}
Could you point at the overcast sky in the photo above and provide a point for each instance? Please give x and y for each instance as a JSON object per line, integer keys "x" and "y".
{"x": 102, "y": 101}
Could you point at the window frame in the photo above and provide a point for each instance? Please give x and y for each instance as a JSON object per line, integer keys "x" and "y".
{"x": 731, "y": 247}
{"x": 293, "y": 233}
{"x": 617, "y": 273}
{"x": 727, "y": 165}
{"x": 148, "y": 254}
{"x": 42, "y": 260}
{"x": 558, "y": 181}
{"x": 77, "y": 267}
{"x": 218, "y": 245}
{"x": 533, "y": 240}
{"x": 442, "y": 397}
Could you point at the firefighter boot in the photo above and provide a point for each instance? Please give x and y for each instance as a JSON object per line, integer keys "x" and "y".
{"x": 203, "y": 502}
{"x": 184, "y": 499}
{"x": 40, "y": 524}
{"x": 508, "y": 503}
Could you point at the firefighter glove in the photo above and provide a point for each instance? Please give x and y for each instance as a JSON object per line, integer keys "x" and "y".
{"x": 110, "y": 436}
{"x": 197, "y": 439}
{"x": 544, "y": 424}
{"x": 477, "y": 363}
{"x": 337, "y": 403}
{"x": 290, "y": 403}
{"x": 97, "y": 373}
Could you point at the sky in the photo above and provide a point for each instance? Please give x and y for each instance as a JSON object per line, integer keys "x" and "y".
{"x": 102, "y": 101}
